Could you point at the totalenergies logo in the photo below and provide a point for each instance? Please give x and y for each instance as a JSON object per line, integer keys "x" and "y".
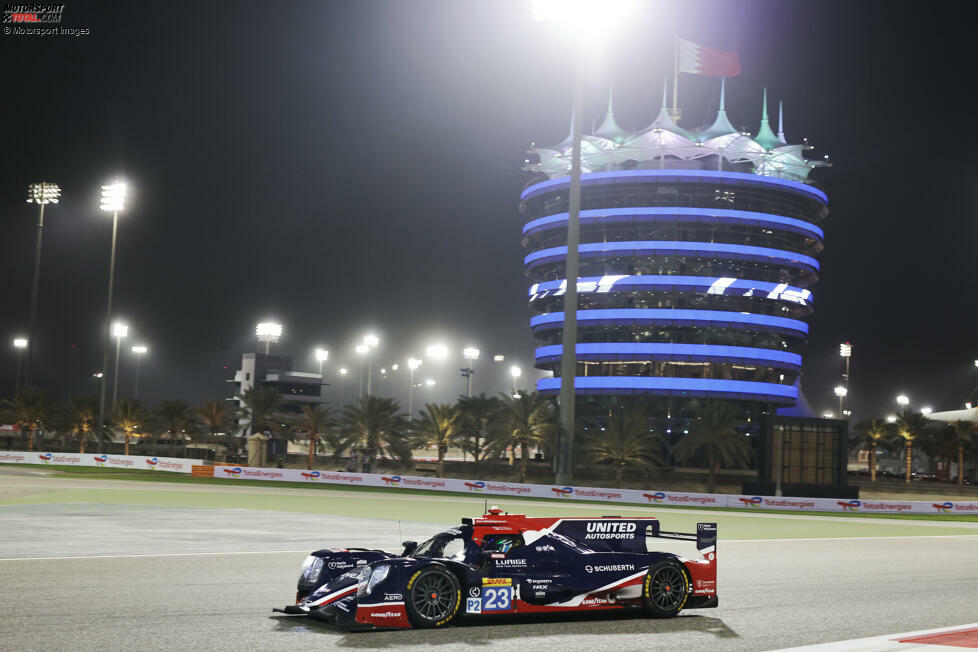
{"x": 45, "y": 457}
{"x": 562, "y": 492}
{"x": 392, "y": 481}
{"x": 314, "y": 475}
{"x": 152, "y": 462}
{"x": 233, "y": 473}
{"x": 943, "y": 508}
{"x": 476, "y": 486}
{"x": 657, "y": 497}
{"x": 850, "y": 506}
{"x": 751, "y": 502}
{"x": 100, "y": 460}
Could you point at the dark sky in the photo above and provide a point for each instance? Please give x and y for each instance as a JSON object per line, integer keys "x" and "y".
{"x": 347, "y": 166}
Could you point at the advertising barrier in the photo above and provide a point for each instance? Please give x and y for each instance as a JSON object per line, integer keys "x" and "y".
{"x": 171, "y": 464}
{"x": 489, "y": 488}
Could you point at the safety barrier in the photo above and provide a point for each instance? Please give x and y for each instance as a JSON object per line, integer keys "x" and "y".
{"x": 493, "y": 488}
{"x": 624, "y": 496}
{"x": 171, "y": 464}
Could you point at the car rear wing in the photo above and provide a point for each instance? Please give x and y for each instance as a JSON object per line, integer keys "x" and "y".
{"x": 705, "y": 535}
{"x": 703, "y": 571}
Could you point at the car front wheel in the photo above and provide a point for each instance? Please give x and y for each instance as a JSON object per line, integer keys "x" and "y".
{"x": 433, "y": 597}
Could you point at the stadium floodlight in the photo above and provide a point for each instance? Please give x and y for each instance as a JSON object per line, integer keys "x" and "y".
{"x": 113, "y": 201}
{"x": 120, "y": 330}
{"x": 515, "y": 371}
{"x": 926, "y": 410}
{"x": 437, "y": 351}
{"x": 344, "y": 371}
{"x": 891, "y": 418}
{"x": 42, "y": 194}
{"x": 470, "y": 353}
{"x": 394, "y": 367}
{"x": 845, "y": 350}
{"x": 498, "y": 357}
{"x": 362, "y": 349}
{"x": 371, "y": 340}
{"x": 322, "y": 355}
{"x": 429, "y": 382}
{"x": 841, "y": 391}
{"x": 828, "y": 415}
{"x": 413, "y": 363}
{"x": 903, "y": 399}
{"x": 268, "y": 332}
{"x": 20, "y": 343}
{"x": 139, "y": 351}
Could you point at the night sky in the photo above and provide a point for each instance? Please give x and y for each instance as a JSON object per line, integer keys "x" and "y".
{"x": 355, "y": 166}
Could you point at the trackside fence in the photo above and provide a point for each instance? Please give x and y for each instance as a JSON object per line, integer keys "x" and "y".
{"x": 489, "y": 489}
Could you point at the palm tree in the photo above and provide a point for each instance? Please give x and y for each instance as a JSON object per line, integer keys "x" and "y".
{"x": 870, "y": 435}
{"x": 129, "y": 415}
{"x": 714, "y": 432}
{"x": 476, "y": 415}
{"x": 262, "y": 406}
{"x": 316, "y": 420}
{"x": 908, "y": 427}
{"x": 626, "y": 441}
{"x": 79, "y": 416}
{"x": 218, "y": 417}
{"x": 964, "y": 430}
{"x": 30, "y": 409}
{"x": 375, "y": 424}
{"x": 524, "y": 419}
{"x": 437, "y": 426}
{"x": 175, "y": 418}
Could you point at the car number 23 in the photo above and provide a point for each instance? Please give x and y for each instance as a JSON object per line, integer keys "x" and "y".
{"x": 497, "y": 598}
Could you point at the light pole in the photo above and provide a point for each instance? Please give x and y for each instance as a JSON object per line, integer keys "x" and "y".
{"x": 436, "y": 351}
{"x": 139, "y": 351}
{"x": 903, "y": 401}
{"x": 322, "y": 355}
{"x": 268, "y": 332}
{"x": 119, "y": 331}
{"x": 371, "y": 342}
{"x": 841, "y": 392}
{"x": 413, "y": 364}
{"x": 20, "y": 343}
{"x": 515, "y": 372}
{"x": 42, "y": 193}
{"x": 471, "y": 354}
{"x": 113, "y": 201}
{"x": 362, "y": 350}
{"x": 926, "y": 410}
{"x": 845, "y": 350}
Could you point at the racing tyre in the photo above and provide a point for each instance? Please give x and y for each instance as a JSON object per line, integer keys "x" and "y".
{"x": 666, "y": 589}
{"x": 433, "y": 597}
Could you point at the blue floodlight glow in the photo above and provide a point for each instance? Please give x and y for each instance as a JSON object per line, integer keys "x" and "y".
{"x": 677, "y": 215}
{"x": 678, "y": 176}
{"x": 665, "y": 283}
{"x": 667, "y": 247}
{"x": 743, "y": 389}
{"x": 671, "y": 316}
{"x": 630, "y": 351}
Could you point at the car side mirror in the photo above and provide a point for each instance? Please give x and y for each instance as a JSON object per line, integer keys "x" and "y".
{"x": 409, "y": 547}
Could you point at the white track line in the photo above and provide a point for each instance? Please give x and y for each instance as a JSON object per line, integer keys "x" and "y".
{"x": 885, "y": 643}
{"x": 168, "y": 554}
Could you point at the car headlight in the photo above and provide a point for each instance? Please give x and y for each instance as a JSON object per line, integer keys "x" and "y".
{"x": 377, "y": 576}
{"x": 310, "y": 569}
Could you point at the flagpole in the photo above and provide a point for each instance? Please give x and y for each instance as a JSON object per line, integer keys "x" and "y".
{"x": 675, "y": 80}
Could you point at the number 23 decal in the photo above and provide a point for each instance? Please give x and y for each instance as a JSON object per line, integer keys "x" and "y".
{"x": 497, "y": 599}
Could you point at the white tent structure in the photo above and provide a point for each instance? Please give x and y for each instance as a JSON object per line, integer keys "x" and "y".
{"x": 970, "y": 414}
{"x": 664, "y": 144}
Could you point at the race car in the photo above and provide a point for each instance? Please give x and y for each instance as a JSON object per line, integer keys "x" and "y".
{"x": 510, "y": 564}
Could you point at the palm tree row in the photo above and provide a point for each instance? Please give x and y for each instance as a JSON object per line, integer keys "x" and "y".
{"x": 912, "y": 430}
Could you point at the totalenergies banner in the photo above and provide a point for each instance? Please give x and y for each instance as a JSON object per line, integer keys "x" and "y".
{"x": 172, "y": 464}
{"x": 628, "y": 496}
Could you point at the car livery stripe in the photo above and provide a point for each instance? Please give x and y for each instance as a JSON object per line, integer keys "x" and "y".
{"x": 335, "y": 595}
{"x": 576, "y": 601}
{"x": 379, "y": 604}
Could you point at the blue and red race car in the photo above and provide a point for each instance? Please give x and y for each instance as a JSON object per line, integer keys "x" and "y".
{"x": 511, "y": 564}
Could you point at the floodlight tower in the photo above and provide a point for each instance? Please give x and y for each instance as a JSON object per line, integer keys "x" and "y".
{"x": 268, "y": 332}
{"x": 139, "y": 351}
{"x": 42, "y": 194}
{"x": 371, "y": 341}
{"x": 20, "y": 343}
{"x": 515, "y": 372}
{"x": 845, "y": 350}
{"x": 119, "y": 331}
{"x": 471, "y": 354}
{"x": 413, "y": 364}
{"x": 113, "y": 201}
{"x": 841, "y": 392}
{"x": 322, "y": 355}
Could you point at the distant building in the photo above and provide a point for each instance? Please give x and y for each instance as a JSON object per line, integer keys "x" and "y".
{"x": 296, "y": 388}
{"x": 697, "y": 254}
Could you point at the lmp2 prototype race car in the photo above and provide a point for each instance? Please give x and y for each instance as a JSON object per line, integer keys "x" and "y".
{"x": 510, "y": 564}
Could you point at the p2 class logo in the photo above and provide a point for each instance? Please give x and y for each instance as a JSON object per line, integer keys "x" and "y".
{"x": 392, "y": 481}
{"x": 944, "y": 508}
{"x": 313, "y": 475}
{"x": 751, "y": 502}
{"x": 562, "y": 492}
{"x": 850, "y": 505}
{"x": 476, "y": 486}
{"x": 473, "y": 605}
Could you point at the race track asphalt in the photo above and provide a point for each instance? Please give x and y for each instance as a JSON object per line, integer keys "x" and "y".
{"x": 113, "y": 576}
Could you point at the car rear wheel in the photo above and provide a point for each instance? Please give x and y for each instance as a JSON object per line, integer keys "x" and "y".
{"x": 433, "y": 597}
{"x": 666, "y": 589}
